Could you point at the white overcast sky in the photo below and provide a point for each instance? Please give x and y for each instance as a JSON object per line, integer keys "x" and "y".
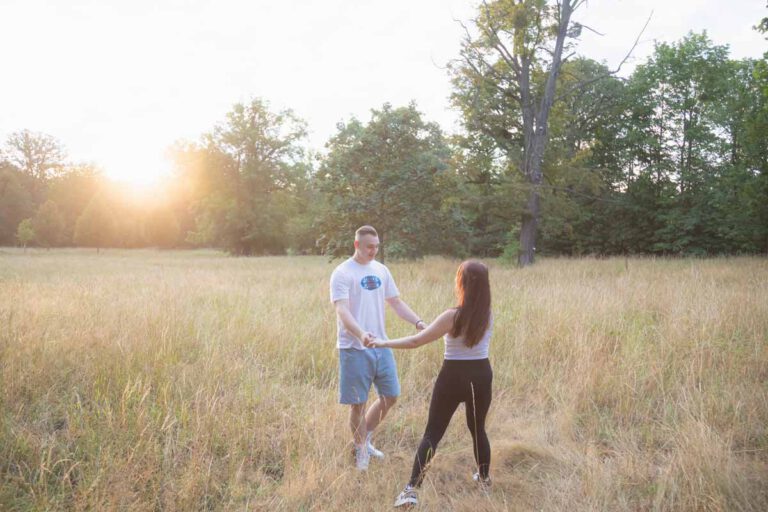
{"x": 119, "y": 81}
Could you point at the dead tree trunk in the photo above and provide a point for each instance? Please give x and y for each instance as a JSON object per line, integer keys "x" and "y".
{"x": 535, "y": 137}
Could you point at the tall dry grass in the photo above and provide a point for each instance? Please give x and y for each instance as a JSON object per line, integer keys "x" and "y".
{"x": 144, "y": 380}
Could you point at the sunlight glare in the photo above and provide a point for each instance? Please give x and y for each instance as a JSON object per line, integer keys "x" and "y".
{"x": 137, "y": 171}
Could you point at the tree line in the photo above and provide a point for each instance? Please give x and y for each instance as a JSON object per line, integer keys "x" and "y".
{"x": 670, "y": 160}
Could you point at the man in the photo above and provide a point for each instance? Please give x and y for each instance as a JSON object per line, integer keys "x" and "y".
{"x": 359, "y": 288}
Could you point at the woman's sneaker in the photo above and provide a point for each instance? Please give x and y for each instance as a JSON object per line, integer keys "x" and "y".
{"x": 362, "y": 458}
{"x": 407, "y": 498}
{"x": 483, "y": 483}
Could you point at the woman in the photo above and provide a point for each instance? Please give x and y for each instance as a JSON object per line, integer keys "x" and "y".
{"x": 466, "y": 374}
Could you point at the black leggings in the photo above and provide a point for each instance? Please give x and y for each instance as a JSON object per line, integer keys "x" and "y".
{"x": 458, "y": 381}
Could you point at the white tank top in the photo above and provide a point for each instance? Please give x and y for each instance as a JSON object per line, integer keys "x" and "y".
{"x": 456, "y": 349}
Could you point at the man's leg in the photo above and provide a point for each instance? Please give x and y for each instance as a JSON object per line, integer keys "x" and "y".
{"x": 357, "y": 423}
{"x": 387, "y": 386}
{"x": 388, "y": 389}
{"x": 377, "y": 411}
{"x": 355, "y": 377}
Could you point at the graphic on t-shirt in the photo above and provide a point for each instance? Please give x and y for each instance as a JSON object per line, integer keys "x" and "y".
{"x": 370, "y": 282}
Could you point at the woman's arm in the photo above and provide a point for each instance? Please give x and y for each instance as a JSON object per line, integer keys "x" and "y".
{"x": 439, "y": 327}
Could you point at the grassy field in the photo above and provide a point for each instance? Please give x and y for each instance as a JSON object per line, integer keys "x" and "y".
{"x": 142, "y": 380}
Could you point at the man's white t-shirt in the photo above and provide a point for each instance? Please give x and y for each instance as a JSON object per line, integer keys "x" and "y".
{"x": 366, "y": 287}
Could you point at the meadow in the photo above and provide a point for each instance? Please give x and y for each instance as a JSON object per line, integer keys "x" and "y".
{"x": 147, "y": 380}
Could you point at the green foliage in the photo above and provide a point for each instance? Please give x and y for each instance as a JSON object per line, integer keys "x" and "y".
{"x": 15, "y": 202}
{"x": 37, "y": 155}
{"x": 488, "y": 196}
{"x": 301, "y": 228}
{"x": 25, "y": 232}
{"x": 48, "y": 225}
{"x": 511, "y": 249}
{"x": 672, "y": 160}
{"x": 762, "y": 26}
{"x": 392, "y": 174}
{"x": 507, "y": 81}
{"x": 97, "y": 226}
{"x": 72, "y": 190}
{"x": 688, "y": 152}
{"x": 161, "y": 229}
{"x": 246, "y": 180}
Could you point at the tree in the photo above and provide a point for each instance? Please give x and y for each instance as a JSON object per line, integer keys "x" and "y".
{"x": 161, "y": 229}
{"x": 506, "y": 82}
{"x": 762, "y": 27}
{"x": 690, "y": 133}
{"x": 577, "y": 171}
{"x": 38, "y": 155}
{"x": 48, "y": 225}
{"x": 390, "y": 174}
{"x": 25, "y": 233}
{"x": 486, "y": 205}
{"x": 309, "y": 204}
{"x": 248, "y": 174}
{"x": 72, "y": 190}
{"x": 738, "y": 194}
{"x": 193, "y": 179}
{"x": 15, "y": 202}
{"x": 96, "y": 227}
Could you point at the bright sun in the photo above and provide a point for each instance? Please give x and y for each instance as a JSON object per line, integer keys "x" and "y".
{"x": 138, "y": 171}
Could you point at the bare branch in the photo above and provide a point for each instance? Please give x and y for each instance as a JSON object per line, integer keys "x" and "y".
{"x": 508, "y": 91}
{"x": 583, "y": 85}
{"x": 470, "y": 48}
{"x": 508, "y": 57}
{"x": 637, "y": 40}
{"x": 591, "y": 29}
{"x": 578, "y": 4}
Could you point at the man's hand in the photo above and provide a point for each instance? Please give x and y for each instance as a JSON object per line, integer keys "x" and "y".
{"x": 368, "y": 338}
{"x": 421, "y": 325}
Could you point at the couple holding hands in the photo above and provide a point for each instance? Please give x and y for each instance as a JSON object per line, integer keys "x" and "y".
{"x": 360, "y": 286}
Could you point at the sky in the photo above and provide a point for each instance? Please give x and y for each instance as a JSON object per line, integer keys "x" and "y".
{"x": 118, "y": 82}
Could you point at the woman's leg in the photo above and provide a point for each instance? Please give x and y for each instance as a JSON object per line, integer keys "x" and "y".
{"x": 477, "y": 404}
{"x": 441, "y": 408}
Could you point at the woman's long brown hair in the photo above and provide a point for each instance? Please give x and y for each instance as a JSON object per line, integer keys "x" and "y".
{"x": 474, "y": 310}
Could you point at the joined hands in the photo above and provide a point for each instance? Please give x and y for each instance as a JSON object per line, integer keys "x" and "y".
{"x": 370, "y": 341}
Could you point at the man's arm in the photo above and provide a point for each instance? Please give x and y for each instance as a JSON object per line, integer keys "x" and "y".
{"x": 349, "y": 322}
{"x": 405, "y": 312}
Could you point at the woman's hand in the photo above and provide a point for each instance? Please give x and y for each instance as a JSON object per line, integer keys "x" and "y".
{"x": 370, "y": 341}
{"x": 368, "y": 338}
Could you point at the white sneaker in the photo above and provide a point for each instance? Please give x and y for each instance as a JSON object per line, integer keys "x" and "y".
{"x": 362, "y": 458}
{"x": 407, "y": 498}
{"x": 483, "y": 483}
{"x": 372, "y": 451}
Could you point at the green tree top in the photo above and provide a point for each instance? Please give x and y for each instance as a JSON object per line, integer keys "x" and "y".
{"x": 391, "y": 174}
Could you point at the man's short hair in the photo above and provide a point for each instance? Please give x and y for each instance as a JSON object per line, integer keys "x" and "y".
{"x": 365, "y": 230}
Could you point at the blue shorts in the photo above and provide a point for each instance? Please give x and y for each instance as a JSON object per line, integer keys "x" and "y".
{"x": 358, "y": 369}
